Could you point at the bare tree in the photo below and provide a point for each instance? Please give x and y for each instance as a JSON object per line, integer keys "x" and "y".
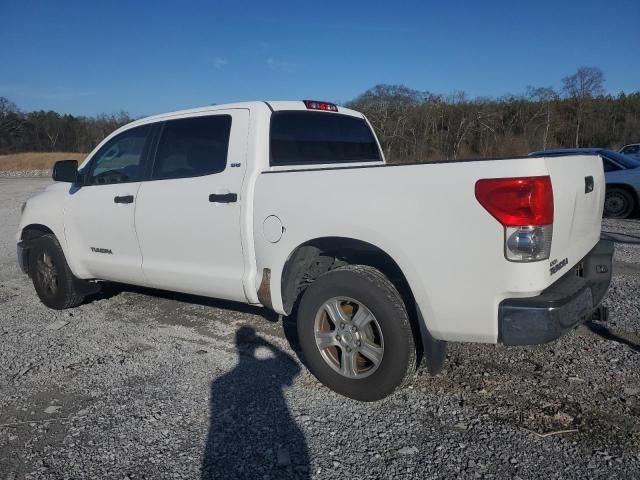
{"x": 544, "y": 96}
{"x": 8, "y": 111}
{"x": 11, "y": 124}
{"x": 583, "y": 85}
{"x": 389, "y": 107}
{"x": 48, "y": 127}
{"x": 586, "y": 82}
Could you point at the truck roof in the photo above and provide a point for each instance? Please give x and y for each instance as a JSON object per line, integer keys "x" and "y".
{"x": 273, "y": 105}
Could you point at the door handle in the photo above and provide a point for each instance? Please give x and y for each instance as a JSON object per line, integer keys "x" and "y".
{"x": 223, "y": 197}
{"x": 588, "y": 184}
{"x": 123, "y": 199}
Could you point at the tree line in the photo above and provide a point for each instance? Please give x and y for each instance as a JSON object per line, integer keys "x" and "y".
{"x": 412, "y": 125}
{"x": 41, "y": 131}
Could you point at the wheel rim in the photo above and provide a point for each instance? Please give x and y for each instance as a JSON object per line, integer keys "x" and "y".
{"x": 615, "y": 204}
{"x": 349, "y": 337}
{"x": 47, "y": 274}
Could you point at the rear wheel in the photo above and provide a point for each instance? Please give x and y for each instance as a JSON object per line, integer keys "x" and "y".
{"x": 355, "y": 333}
{"x": 54, "y": 283}
{"x": 618, "y": 203}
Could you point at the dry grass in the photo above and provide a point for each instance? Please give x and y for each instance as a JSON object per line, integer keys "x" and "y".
{"x": 35, "y": 160}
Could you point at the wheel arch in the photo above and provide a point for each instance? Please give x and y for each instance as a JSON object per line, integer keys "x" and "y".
{"x": 33, "y": 231}
{"x": 629, "y": 188}
{"x": 28, "y": 234}
{"x": 319, "y": 255}
{"x": 314, "y": 257}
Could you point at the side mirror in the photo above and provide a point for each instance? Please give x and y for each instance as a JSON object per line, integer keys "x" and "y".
{"x": 65, "y": 171}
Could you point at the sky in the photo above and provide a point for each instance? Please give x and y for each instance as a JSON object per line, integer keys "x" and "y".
{"x": 89, "y": 57}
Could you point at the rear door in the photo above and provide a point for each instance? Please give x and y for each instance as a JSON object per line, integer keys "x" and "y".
{"x": 99, "y": 214}
{"x": 188, "y": 214}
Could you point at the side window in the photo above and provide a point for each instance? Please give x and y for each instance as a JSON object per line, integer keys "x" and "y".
{"x": 609, "y": 167}
{"x": 192, "y": 147}
{"x": 120, "y": 160}
{"x": 632, "y": 149}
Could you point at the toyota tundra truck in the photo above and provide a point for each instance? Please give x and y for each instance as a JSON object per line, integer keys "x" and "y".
{"x": 291, "y": 205}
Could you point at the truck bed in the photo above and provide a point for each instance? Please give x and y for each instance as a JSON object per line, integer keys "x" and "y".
{"x": 426, "y": 217}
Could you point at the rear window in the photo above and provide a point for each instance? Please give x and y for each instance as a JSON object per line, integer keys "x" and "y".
{"x": 192, "y": 147}
{"x": 304, "y": 138}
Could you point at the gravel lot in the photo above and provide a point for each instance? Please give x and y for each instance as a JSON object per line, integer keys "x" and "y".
{"x": 145, "y": 384}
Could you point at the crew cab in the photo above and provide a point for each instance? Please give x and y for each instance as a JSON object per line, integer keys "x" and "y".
{"x": 292, "y": 206}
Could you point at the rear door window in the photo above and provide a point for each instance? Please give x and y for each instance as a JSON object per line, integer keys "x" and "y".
{"x": 305, "y": 138}
{"x": 192, "y": 147}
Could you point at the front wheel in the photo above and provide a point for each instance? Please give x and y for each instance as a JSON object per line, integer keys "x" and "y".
{"x": 355, "y": 333}
{"x": 618, "y": 203}
{"x": 54, "y": 283}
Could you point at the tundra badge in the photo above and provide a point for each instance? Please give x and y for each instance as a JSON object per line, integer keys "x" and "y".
{"x": 101, "y": 250}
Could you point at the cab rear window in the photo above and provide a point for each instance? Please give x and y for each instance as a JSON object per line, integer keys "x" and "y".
{"x": 311, "y": 138}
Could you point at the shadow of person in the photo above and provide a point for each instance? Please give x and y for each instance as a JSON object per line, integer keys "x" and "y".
{"x": 251, "y": 432}
{"x": 607, "y": 334}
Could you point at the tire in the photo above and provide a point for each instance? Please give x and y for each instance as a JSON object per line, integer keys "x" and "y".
{"x": 618, "y": 203}
{"x": 54, "y": 283}
{"x": 363, "y": 298}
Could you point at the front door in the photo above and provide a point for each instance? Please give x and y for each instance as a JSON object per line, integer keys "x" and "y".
{"x": 188, "y": 214}
{"x": 99, "y": 214}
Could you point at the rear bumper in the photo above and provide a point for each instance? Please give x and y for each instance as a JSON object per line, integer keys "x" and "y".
{"x": 562, "y": 306}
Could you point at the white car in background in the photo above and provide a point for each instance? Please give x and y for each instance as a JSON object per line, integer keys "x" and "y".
{"x": 291, "y": 205}
{"x": 622, "y": 176}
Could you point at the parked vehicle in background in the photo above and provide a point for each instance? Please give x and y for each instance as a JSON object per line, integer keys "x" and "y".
{"x": 292, "y": 206}
{"x": 622, "y": 176}
{"x": 632, "y": 150}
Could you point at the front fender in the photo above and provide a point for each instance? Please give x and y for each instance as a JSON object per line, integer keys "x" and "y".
{"x": 47, "y": 210}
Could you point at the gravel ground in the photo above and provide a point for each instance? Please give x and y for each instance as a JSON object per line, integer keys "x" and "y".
{"x": 144, "y": 384}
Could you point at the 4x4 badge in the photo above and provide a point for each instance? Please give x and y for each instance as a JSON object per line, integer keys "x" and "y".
{"x": 556, "y": 265}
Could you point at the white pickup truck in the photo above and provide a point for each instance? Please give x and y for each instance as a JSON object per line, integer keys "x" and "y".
{"x": 291, "y": 205}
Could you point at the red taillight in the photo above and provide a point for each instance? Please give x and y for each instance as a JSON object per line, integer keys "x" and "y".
{"x": 315, "y": 105}
{"x": 517, "y": 201}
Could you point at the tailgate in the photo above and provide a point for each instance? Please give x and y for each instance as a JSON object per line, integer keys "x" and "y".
{"x": 578, "y": 195}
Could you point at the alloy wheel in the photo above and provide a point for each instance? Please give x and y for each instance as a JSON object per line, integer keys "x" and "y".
{"x": 349, "y": 337}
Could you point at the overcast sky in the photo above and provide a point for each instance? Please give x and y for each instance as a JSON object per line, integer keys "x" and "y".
{"x": 89, "y": 57}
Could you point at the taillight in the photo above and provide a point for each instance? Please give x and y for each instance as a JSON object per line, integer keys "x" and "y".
{"x": 315, "y": 105}
{"x": 524, "y": 207}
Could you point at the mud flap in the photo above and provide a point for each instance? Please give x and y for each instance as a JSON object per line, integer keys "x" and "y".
{"x": 434, "y": 351}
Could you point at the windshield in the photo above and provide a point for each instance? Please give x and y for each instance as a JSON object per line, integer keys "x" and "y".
{"x": 621, "y": 159}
